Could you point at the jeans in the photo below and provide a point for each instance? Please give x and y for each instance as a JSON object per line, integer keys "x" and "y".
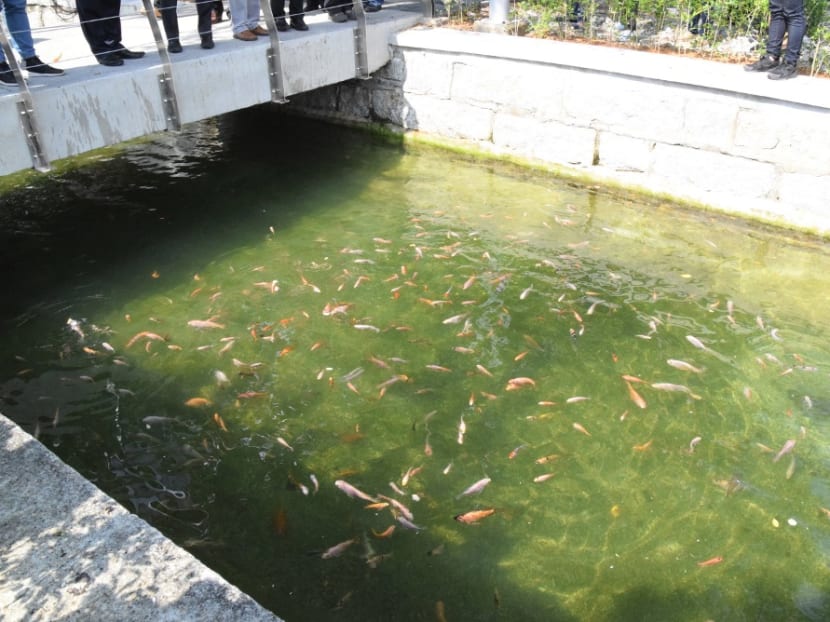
{"x": 244, "y": 15}
{"x": 17, "y": 21}
{"x": 786, "y": 16}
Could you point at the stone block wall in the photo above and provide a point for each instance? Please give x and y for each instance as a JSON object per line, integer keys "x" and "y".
{"x": 692, "y": 129}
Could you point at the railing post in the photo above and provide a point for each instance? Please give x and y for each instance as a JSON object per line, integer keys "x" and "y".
{"x": 429, "y": 8}
{"x": 273, "y": 55}
{"x": 498, "y": 11}
{"x": 361, "y": 56}
{"x": 168, "y": 89}
{"x": 25, "y": 106}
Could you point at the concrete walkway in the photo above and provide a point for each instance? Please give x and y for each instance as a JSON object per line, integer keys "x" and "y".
{"x": 68, "y": 552}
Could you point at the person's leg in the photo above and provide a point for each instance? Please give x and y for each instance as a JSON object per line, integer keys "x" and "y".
{"x": 17, "y": 21}
{"x": 91, "y": 14}
{"x": 796, "y": 26}
{"x": 252, "y": 11}
{"x": 295, "y": 10}
{"x": 777, "y": 28}
{"x": 205, "y": 9}
{"x": 169, "y": 19}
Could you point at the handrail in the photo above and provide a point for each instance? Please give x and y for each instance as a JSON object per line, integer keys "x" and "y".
{"x": 25, "y": 106}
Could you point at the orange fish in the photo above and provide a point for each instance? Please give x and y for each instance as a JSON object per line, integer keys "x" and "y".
{"x": 197, "y": 402}
{"x": 247, "y": 395}
{"x": 516, "y": 383}
{"x": 280, "y": 522}
{"x": 219, "y": 422}
{"x": 635, "y": 397}
{"x": 470, "y": 518}
{"x": 385, "y": 533}
{"x": 644, "y": 446}
{"x": 376, "y": 506}
{"x": 145, "y": 334}
{"x": 710, "y": 562}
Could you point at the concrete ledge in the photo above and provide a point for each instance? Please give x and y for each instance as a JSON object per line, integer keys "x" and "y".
{"x": 69, "y": 552}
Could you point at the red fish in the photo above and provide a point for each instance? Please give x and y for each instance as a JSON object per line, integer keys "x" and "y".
{"x": 710, "y": 562}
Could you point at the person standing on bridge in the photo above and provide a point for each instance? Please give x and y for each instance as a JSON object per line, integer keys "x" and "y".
{"x": 17, "y": 20}
{"x": 101, "y": 25}
{"x": 295, "y": 14}
{"x": 170, "y": 21}
{"x": 786, "y": 16}
{"x": 245, "y": 20}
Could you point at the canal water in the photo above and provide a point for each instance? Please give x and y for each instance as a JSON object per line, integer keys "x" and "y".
{"x": 366, "y": 381}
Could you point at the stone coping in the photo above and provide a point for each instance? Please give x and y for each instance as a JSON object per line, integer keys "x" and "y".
{"x": 68, "y": 552}
{"x": 686, "y": 71}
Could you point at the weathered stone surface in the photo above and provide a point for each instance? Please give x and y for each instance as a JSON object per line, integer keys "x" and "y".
{"x": 68, "y": 552}
{"x": 623, "y": 153}
{"x": 805, "y": 192}
{"x": 708, "y": 121}
{"x": 428, "y": 73}
{"x": 708, "y": 171}
{"x": 451, "y": 119}
{"x": 551, "y": 142}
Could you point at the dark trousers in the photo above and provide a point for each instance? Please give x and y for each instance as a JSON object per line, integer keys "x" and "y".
{"x": 786, "y": 16}
{"x": 335, "y": 6}
{"x": 295, "y": 8}
{"x": 101, "y": 24}
{"x": 170, "y": 20}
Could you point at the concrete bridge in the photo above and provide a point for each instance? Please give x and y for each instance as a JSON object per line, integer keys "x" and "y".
{"x": 94, "y": 106}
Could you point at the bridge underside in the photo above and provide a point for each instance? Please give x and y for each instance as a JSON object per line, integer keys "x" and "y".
{"x": 93, "y": 106}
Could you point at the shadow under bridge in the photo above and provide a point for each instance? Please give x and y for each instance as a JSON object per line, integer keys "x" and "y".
{"x": 94, "y": 106}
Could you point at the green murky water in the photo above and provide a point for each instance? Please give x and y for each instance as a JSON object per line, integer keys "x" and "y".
{"x": 411, "y": 319}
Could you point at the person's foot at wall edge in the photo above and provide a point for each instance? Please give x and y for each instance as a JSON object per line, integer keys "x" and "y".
{"x": 784, "y": 71}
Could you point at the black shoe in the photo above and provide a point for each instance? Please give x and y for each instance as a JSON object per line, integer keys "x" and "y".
{"x": 7, "y": 76}
{"x": 128, "y": 54}
{"x": 282, "y": 25}
{"x": 207, "y": 42}
{"x": 174, "y": 46}
{"x": 37, "y": 67}
{"x": 110, "y": 60}
{"x": 784, "y": 71}
{"x": 765, "y": 63}
{"x": 298, "y": 23}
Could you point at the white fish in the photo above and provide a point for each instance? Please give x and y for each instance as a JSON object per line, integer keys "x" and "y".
{"x": 785, "y": 449}
{"x": 75, "y": 326}
{"x": 221, "y": 378}
{"x": 353, "y": 492}
{"x": 338, "y": 549}
{"x": 455, "y": 319}
{"x": 475, "y": 488}
{"x": 695, "y": 342}
{"x": 684, "y": 366}
{"x": 668, "y": 386}
{"x": 462, "y": 429}
{"x": 374, "y": 329}
{"x": 525, "y": 293}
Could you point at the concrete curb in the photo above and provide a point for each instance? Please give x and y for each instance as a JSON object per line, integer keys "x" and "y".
{"x": 69, "y": 552}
